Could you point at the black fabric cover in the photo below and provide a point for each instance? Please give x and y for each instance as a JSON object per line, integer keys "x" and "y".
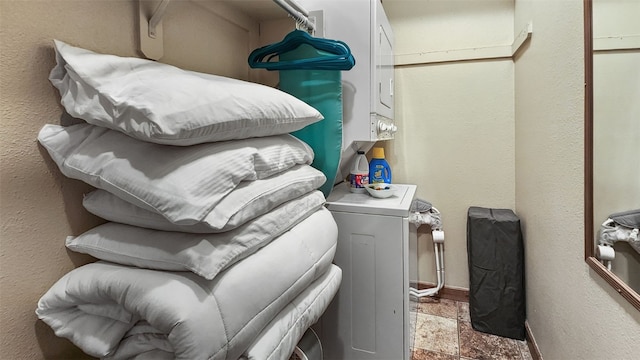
{"x": 496, "y": 272}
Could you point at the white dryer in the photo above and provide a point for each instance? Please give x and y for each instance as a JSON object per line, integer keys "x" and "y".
{"x": 369, "y": 317}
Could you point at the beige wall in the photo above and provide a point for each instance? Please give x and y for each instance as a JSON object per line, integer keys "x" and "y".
{"x": 573, "y": 313}
{"x": 38, "y": 206}
{"x": 447, "y": 110}
{"x": 455, "y": 119}
{"x": 616, "y": 147}
{"x": 616, "y": 111}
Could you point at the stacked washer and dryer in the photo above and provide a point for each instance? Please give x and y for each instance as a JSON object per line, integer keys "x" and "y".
{"x": 369, "y": 317}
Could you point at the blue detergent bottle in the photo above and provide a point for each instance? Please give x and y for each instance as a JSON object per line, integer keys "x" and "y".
{"x": 379, "y": 170}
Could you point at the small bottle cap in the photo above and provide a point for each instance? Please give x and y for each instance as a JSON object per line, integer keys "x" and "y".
{"x": 378, "y": 153}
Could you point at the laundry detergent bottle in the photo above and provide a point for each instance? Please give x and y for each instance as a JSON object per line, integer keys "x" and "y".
{"x": 359, "y": 175}
{"x": 379, "y": 170}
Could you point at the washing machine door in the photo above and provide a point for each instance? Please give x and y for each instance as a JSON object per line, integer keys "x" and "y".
{"x": 309, "y": 347}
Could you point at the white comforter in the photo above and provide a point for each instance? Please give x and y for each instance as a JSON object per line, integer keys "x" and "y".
{"x": 100, "y": 306}
{"x": 278, "y": 340}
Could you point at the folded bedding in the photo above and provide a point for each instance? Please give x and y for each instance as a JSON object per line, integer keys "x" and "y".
{"x": 278, "y": 340}
{"x": 100, "y": 306}
{"x": 217, "y": 242}
{"x": 203, "y": 254}
{"x": 182, "y": 183}
{"x": 163, "y": 104}
{"x": 248, "y": 200}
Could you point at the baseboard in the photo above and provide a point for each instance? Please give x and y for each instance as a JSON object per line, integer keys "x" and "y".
{"x": 451, "y": 293}
{"x": 531, "y": 343}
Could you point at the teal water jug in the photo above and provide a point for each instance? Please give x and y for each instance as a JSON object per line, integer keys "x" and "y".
{"x": 379, "y": 169}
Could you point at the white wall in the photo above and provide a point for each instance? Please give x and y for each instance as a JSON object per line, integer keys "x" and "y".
{"x": 456, "y": 129}
{"x": 573, "y": 313}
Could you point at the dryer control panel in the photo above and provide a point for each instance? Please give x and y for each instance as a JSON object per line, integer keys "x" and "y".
{"x": 382, "y": 128}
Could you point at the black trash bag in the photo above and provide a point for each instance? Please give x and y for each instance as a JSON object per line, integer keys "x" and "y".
{"x": 496, "y": 272}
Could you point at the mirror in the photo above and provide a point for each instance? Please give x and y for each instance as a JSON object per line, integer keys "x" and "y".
{"x": 612, "y": 133}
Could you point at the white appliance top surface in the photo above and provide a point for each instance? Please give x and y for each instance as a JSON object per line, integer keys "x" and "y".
{"x": 341, "y": 199}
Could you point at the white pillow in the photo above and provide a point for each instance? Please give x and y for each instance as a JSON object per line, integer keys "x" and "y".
{"x": 183, "y": 183}
{"x": 247, "y": 201}
{"x": 163, "y": 104}
{"x": 203, "y": 254}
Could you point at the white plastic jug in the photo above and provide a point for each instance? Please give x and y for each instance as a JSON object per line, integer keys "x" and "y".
{"x": 359, "y": 176}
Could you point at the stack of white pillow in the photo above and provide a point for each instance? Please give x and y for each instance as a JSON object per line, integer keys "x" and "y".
{"x": 193, "y": 171}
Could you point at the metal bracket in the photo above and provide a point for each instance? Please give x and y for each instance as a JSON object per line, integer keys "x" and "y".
{"x": 150, "y": 14}
{"x": 316, "y": 17}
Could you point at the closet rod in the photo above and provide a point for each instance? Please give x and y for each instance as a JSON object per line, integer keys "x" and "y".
{"x": 290, "y": 6}
{"x": 151, "y": 13}
{"x": 297, "y": 6}
{"x": 297, "y": 12}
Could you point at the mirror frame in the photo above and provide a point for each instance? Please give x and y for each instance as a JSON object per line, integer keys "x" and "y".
{"x": 589, "y": 240}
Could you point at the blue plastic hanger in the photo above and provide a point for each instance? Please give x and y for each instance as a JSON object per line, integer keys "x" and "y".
{"x": 338, "y": 55}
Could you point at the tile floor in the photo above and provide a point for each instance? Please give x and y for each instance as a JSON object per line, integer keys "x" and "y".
{"x": 443, "y": 332}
